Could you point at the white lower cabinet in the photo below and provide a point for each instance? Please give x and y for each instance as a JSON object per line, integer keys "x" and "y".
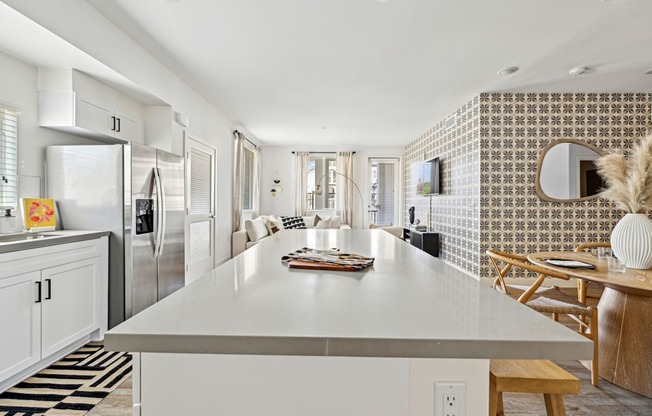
{"x": 20, "y": 323}
{"x": 45, "y": 312}
{"x": 69, "y": 309}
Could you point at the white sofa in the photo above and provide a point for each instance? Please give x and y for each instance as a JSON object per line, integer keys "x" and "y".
{"x": 242, "y": 240}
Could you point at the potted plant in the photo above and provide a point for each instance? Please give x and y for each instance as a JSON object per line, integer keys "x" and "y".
{"x": 629, "y": 186}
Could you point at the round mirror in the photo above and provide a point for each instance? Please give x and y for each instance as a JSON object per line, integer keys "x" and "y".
{"x": 567, "y": 173}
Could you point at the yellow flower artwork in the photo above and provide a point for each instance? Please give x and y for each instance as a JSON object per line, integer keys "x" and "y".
{"x": 38, "y": 212}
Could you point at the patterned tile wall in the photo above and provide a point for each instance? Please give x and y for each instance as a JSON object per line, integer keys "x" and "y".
{"x": 489, "y": 171}
{"x": 514, "y": 127}
{"x": 455, "y": 213}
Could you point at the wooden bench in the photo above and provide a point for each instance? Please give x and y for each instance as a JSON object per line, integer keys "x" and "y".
{"x": 530, "y": 376}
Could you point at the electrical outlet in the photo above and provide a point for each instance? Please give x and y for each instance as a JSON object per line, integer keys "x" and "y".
{"x": 450, "y": 398}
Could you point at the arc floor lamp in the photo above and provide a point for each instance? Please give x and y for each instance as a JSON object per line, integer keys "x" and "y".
{"x": 319, "y": 191}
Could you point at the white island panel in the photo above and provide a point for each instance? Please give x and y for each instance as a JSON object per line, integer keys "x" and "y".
{"x": 254, "y": 337}
{"x": 326, "y": 386}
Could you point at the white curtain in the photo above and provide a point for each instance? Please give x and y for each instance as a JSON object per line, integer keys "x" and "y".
{"x": 345, "y": 187}
{"x": 238, "y": 154}
{"x": 301, "y": 183}
{"x": 256, "y": 183}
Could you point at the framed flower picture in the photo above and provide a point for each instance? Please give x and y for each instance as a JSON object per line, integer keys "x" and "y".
{"x": 38, "y": 214}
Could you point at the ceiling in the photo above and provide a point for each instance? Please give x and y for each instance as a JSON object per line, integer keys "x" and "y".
{"x": 31, "y": 43}
{"x": 381, "y": 73}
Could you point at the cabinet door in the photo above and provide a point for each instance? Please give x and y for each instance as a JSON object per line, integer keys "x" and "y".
{"x": 93, "y": 116}
{"x": 20, "y": 323}
{"x": 128, "y": 128}
{"x": 70, "y": 303}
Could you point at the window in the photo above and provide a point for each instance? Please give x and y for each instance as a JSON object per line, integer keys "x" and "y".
{"x": 248, "y": 179}
{"x": 321, "y": 171}
{"x": 8, "y": 158}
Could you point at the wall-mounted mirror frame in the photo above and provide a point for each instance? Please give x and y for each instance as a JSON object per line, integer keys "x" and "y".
{"x": 540, "y": 192}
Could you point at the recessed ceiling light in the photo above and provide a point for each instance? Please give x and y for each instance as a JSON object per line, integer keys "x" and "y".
{"x": 648, "y": 72}
{"x": 578, "y": 71}
{"x": 507, "y": 71}
{"x": 383, "y": 1}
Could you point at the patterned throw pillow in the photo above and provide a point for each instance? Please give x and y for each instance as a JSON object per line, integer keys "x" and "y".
{"x": 292, "y": 223}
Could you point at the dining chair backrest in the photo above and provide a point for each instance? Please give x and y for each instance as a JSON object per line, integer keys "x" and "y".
{"x": 511, "y": 260}
{"x": 588, "y": 246}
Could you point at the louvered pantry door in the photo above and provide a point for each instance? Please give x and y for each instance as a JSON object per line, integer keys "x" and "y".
{"x": 200, "y": 212}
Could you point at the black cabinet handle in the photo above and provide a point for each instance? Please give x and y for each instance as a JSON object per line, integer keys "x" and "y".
{"x": 38, "y": 291}
{"x": 118, "y": 126}
{"x": 49, "y": 283}
{"x": 113, "y": 123}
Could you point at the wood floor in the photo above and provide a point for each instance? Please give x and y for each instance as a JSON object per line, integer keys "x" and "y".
{"x": 604, "y": 400}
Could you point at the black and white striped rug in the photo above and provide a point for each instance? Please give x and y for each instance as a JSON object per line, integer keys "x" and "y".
{"x": 71, "y": 386}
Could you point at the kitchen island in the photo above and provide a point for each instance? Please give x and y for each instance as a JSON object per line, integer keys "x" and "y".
{"x": 254, "y": 337}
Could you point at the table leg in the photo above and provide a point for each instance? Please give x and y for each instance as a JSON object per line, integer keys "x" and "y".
{"x": 625, "y": 340}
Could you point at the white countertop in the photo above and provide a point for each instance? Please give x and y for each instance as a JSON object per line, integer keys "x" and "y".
{"x": 409, "y": 304}
{"x": 50, "y": 238}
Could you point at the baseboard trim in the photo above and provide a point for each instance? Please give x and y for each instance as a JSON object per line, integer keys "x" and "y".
{"x": 35, "y": 368}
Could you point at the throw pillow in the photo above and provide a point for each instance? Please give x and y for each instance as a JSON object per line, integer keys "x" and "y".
{"x": 323, "y": 224}
{"x": 272, "y": 226}
{"x": 277, "y": 220}
{"x": 335, "y": 221}
{"x": 310, "y": 221}
{"x": 256, "y": 229}
{"x": 290, "y": 223}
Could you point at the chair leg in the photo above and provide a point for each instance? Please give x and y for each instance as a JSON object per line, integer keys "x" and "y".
{"x": 595, "y": 375}
{"x": 555, "y": 317}
{"x": 554, "y": 404}
{"x": 581, "y": 291}
{"x": 493, "y": 399}
{"x": 501, "y": 409}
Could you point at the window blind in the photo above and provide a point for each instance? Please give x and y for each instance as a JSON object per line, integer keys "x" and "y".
{"x": 200, "y": 182}
{"x": 248, "y": 179}
{"x": 8, "y": 158}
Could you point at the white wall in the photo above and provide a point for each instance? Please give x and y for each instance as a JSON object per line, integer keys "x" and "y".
{"x": 18, "y": 90}
{"x": 278, "y": 163}
{"x": 77, "y": 22}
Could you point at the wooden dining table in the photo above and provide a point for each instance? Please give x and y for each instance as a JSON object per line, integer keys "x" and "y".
{"x": 624, "y": 316}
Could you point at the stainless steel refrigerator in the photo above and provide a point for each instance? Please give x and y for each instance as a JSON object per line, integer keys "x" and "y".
{"x": 137, "y": 193}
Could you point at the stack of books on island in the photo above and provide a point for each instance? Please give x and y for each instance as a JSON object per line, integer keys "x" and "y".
{"x": 332, "y": 259}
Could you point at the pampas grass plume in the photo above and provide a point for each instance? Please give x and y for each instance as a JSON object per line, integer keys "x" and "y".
{"x": 629, "y": 181}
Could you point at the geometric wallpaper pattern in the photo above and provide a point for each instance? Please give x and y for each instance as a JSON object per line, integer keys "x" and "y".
{"x": 455, "y": 213}
{"x": 514, "y": 128}
{"x": 489, "y": 172}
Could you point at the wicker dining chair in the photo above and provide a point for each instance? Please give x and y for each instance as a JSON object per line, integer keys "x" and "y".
{"x": 548, "y": 300}
{"x": 582, "y": 287}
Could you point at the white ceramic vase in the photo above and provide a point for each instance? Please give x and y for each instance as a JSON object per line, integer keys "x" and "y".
{"x": 631, "y": 241}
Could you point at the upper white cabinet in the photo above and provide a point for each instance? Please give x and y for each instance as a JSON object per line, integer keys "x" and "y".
{"x": 76, "y": 103}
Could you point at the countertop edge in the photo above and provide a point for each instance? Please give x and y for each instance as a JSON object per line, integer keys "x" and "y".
{"x": 348, "y": 347}
{"x": 53, "y": 241}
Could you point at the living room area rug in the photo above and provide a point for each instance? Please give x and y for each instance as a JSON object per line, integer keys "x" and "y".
{"x": 71, "y": 386}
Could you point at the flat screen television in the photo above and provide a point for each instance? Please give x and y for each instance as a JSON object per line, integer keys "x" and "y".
{"x": 429, "y": 177}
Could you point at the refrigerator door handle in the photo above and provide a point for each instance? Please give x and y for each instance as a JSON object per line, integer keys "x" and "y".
{"x": 164, "y": 214}
{"x": 159, "y": 211}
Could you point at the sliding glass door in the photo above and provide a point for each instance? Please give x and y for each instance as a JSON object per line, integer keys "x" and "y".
{"x": 383, "y": 200}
